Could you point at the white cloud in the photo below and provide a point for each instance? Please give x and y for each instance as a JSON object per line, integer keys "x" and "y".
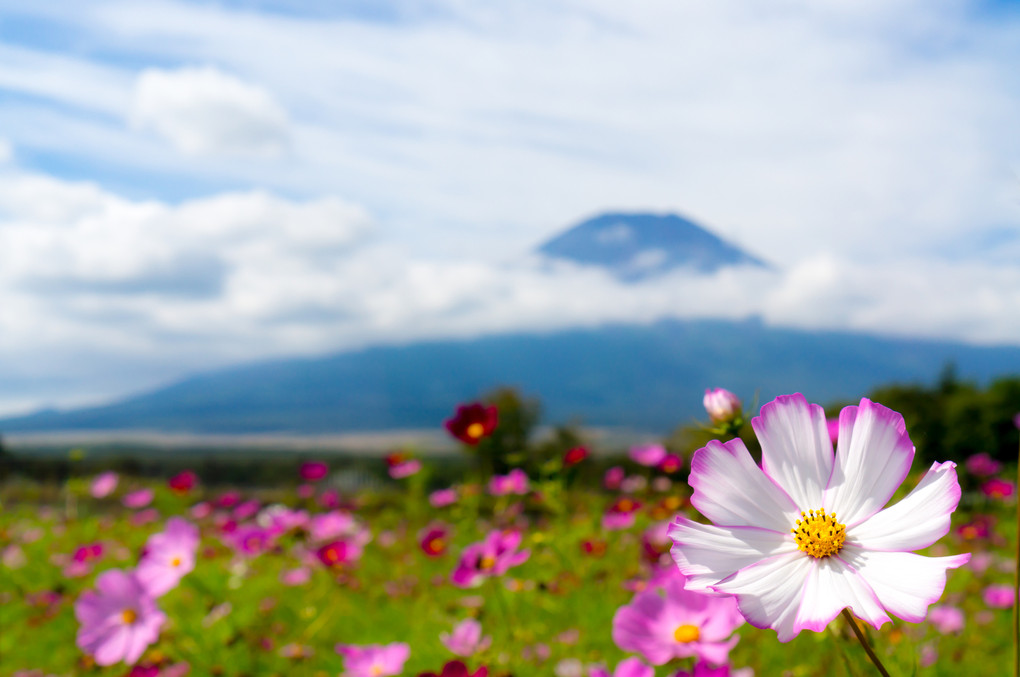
{"x": 203, "y": 111}
{"x": 6, "y": 151}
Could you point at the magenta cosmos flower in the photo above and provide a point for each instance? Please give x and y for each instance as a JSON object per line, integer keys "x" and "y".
{"x": 119, "y": 620}
{"x": 373, "y": 660}
{"x": 628, "y": 667}
{"x": 805, "y": 535}
{"x": 457, "y": 669}
{"x": 168, "y": 556}
{"x": 514, "y": 482}
{"x": 493, "y": 556}
{"x": 678, "y": 624}
{"x": 313, "y": 471}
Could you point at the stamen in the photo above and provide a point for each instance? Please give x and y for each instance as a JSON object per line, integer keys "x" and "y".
{"x": 475, "y": 430}
{"x": 687, "y": 633}
{"x": 128, "y": 616}
{"x": 819, "y": 534}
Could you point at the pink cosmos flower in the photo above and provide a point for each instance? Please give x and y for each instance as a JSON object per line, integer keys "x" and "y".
{"x": 250, "y": 540}
{"x": 514, "y": 482}
{"x": 168, "y": 556}
{"x": 998, "y": 489}
{"x": 139, "y": 498}
{"x": 628, "y": 667}
{"x": 679, "y": 624}
{"x": 466, "y": 638}
{"x": 621, "y": 514}
{"x": 201, "y": 510}
{"x": 402, "y": 465}
{"x": 373, "y": 660}
{"x": 492, "y": 556}
{"x": 313, "y": 471}
{"x": 982, "y": 465}
{"x": 613, "y": 477}
{"x": 88, "y": 553}
{"x": 649, "y": 455}
{"x": 183, "y": 481}
{"x": 702, "y": 669}
{"x": 245, "y": 510}
{"x": 946, "y": 619}
{"x": 104, "y": 484}
{"x": 119, "y": 620}
{"x": 805, "y": 535}
{"x": 144, "y": 517}
{"x": 722, "y": 405}
{"x": 434, "y": 539}
{"x": 305, "y": 491}
{"x": 298, "y": 576}
{"x": 457, "y": 669}
{"x": 443, "y": 497}
{"x": 998, "y": 596}
{"x": 671, "y": 463}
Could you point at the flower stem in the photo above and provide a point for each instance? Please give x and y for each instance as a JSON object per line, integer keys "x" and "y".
{"x": 864, "y": 643}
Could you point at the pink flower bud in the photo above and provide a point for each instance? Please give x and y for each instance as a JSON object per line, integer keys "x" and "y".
{"x": 721, "y": 405}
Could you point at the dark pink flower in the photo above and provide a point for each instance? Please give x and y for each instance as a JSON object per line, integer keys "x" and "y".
{"x": 443, "y": 497}
{"x": 613, "y": 477}
{"x": 514, "y": 482}
{"x": 457, "y": 669}
{"x": 982, "y": 465}
{"x": 978, "y": 529}
{"x": 574, "y": 456}
{"x": 671, "y": 463}
{"x": 473, "y": 422}
{"x": 183, "y": 482}
{"x": 119, "y": 620}
{"x": 679, "y": 624}
{"x": 88, "y": 553}
{"x": 250, "y": 539}
{"x": 833, "y": 425}
{"x": 998, "y": 489}
{"x": 492, "y": 556}
{"x": 168, "y": 556}
{"x": 374, "y": 660}
{"x": 621, "y": 514}
{"x": 998, "y": 596}
{"x": 313, "y": 471}
{"x": 245, "y": 510}
{"x": 628, "y": 667}
{"x": 434, "y": 539}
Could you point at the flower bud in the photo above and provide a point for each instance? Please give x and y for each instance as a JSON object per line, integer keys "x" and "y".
{"x": 722, "y": 405}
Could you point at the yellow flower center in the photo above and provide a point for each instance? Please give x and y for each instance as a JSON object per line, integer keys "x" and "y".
{"x": 475, "y": 430}
{"x": 819, "y": 534}
{"x": 128, "y": 616}
{"x": 687, "y": 633}
{"x": 436, "y": 545}
{"x": 175, "y": 562}
{"x": 487, "y": 562}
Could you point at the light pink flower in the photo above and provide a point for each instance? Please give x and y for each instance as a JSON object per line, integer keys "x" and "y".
{"x": 722, "y": 405}
{"x": 104, "y": 484}
{"x": 514, "y": 482}
{"x": 298, "y": 576}
{"x": 982, "y": 465}
{"x": 139, "y": 498}
{"x": 621, "y": 514}
{"x": 119, "y": 620}
{"x": 628, "y": 667}
{"x": 168, "y": 556}
{"x": 443, "y": 497}
{"x": 492, "y": 556}
{"x": 649, "y": 455}
{"x": 466, "y": 638}
{"x": 805, "y": 535}
{"x": 678, "y": 624}
{"x": 245, "y": 510}
{"x": 998, "y": 596}
{"x": 144, "y": 517}
{"x": 374, "y": 660}
{"x": 946, "y": 619}
{"x": 399, "y": 471}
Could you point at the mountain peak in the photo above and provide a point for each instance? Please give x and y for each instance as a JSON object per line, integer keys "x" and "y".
{"x": 635, "y": 246}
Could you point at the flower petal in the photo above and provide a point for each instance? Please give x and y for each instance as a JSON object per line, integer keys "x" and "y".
{"x": 730, "y": 489}
{"x": 706, "y": 554}
{"x": 770, "y": 592}
{"x": 873, "y": 457}
{"x": 796, "y": 450}
{"x": 832, "y": 586}
{"x": 917, "y": 521}
{"x": 905, "y": 583}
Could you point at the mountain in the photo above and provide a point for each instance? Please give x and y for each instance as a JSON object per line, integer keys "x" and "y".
{"x": 637, "y": 246}
{"x": 647, "y": 378}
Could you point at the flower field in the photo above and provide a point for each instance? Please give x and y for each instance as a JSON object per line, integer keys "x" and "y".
{"x": 575, "y": 565}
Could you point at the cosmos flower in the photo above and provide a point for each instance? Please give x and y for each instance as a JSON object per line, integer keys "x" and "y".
{"x": 434, "y": 539}
{"x": 139, "y": 498}
{"x": 168, "y": 556}
{"x": 440, "y": 498}
{"x": 670, "y": 464}
{"x": 805, "y": 535}
{"x": 119, "y": 620}
{"x": 649, "y": 455}
{"x": 613, "y": 477}
{"x": 628, "y": 667}
{"x": 982, "y": 465}
{"x": 183, "y": 481}
{"x": 313, "y": 471}
{"x": 104, "y": 484}
{"x": 466, "y": 638}
{"x": 457, "y": 669}
{"x": 678, "y": 624}
{"x": 621, "y": 514}
{"x": 946, "y": 619}
{"x": 374, "y": 660}
{"x": 514, "y": 482}
{"x": 998, "y": 596}
{"x": 574, "y": 456}
{"x": 401, "y": 465}
{"x": 722, "y": 405}
{"x": 492, "y": 556}
{"x": 473, "y": 422}
{"x": 998, "y": 489}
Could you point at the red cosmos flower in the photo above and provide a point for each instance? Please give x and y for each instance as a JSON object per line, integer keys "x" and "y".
{"x": 183, "y": 482}
{"x": 574, "y": 456}
{"x": 473, "y": 422}
{"x": 457, "y": 669}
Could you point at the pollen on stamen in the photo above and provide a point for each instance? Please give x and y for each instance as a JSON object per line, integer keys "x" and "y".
{"x": 819, "y": 534}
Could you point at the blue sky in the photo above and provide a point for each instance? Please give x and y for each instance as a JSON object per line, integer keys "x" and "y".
{"x": 185, "y": 185}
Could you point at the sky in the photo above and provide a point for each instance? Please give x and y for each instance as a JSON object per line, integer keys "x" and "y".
{"x": 186, "y": 185}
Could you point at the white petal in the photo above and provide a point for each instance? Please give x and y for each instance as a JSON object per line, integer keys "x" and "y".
{"x": 831, "y": 587}
{"x": 707, "y": 554}
{"x": 873, "y": 457}
{"x": 905, "y": 583}
{"x": 917, "y": 521}
{"x": 770, "y": 592}
{"x": 796, "y": 450}
{"x": 731, "y": 490}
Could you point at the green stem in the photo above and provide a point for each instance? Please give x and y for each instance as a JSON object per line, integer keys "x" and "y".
{"x": 864, "y": 642}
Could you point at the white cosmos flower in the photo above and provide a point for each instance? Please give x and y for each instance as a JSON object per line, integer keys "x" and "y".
{"x": 847, "y": 551}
